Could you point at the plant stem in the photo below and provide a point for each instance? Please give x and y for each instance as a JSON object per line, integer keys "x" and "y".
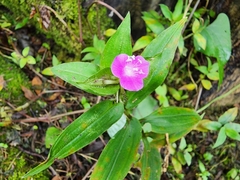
{"x": 218, "y": 98}
{"x": 109, "y": 7}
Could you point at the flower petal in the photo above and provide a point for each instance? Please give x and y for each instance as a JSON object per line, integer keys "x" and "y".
{"x": 130, "y": 70}
{"x": 118, "y": 65}
{"x": 131, "y": 84}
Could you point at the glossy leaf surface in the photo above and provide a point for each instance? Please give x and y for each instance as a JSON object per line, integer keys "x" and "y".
{"x": 218, "y": 38}
{"x": 160, "y": 52}
{"x": 175, "y": 121}
{"x": 221, "y": 137}
{"x": 101, "y": 83}
{"x": 74, "y": 72}
{"x": 119, "y": 154}
{"x": 86, "y": 76}
{"x": 151, "y": 162}
{"x": 81, "y": 132}
{"x": 228, "y": 116}
{"x": 119, "y": 43}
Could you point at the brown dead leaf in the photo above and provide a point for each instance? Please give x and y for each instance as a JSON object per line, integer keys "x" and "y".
{"x": 37, "y": 84}
{"x": 2, "y": 82}
{"x": 28, "y": 93}
{"x": 57, "y": 177}
{"x": 53, "y": 96}
{"x": 58, "y": 81}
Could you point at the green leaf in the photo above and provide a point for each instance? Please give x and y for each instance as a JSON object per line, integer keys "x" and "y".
{"x": 153, "y": 24}
{"x": 90, "y": 49}
{"x": 16, "y": 56}
{"x": 119, "y": 154}
{"x": 142, "y": 42}
{"x": 181, "y": 47}
{"x": 85, "y": 103}
{"x": 200, "y": 39}
{"x": 161, "y": 95}
{"x": 166, "y": 12}
{"x": 201, "y": 166}
{"x": 213, "y": 76}
{"x": 195, "y": 26}
{"x": 5, "y": 24}
{"x": 31, "y": 60}
{"x": 232, "y": 134}
{"x": 206, "y": 84}
{"x": 177, "y": 13}
{"x": 188, "y": 158}
{"x": 47, "y": 71}
{"x": 119, "y": 43}
{"x": 218, "y": 41}
{"x": 208, "y": 125}
{"x": 55, "y": 61}
{"x": 176, "y": 95}
{"x": 151, "y": 162}
{"x": 202, "y": 69}
{"x": 207, "y": 156}
{"x": 180, "y": 157}
{"x": 90, "y": 56}
{"x": 233, "y": 173}
{"x": 221, "y": 137}
{"x": 228, "y": 116}
{"x": 146, "y": 107}
{"x": 76, "y": 73}
{"x": 175, "y": 121}
{"x": 183, "y": 143}
{"x": 98, "y": 44}
{"x": 22, "y": 23}
{"x": 117, "y": 126}
{"x": 161, "y": 53}
{"x": 109, "y": 32}
{"x": 51, "y": 136}
{"x": 25, "y": 51}
{"x": 102, "y": 83}
{"x": 177, "y": 165}
{"x": 234, "y": 126}
{"x": 81, "y": 132}
{"x": 46, "y": 45}
{"x": 23, "y": 62}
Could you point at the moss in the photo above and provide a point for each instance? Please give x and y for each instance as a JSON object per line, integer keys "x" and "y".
{"x": 68, "y": 11}
{"x": 14, "y": 165}
{"x": 14, "y": 78}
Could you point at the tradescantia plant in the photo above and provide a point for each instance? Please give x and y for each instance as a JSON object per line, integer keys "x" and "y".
{"x": 132, "y": 79}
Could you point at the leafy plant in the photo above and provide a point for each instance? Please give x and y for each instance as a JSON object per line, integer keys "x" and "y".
{"x": 48, "y": 71}
{"x": 181, "y": 155}
{"x": 94, "y": 53}
{"x": 100, "y": 81}
{"x": 24, "y": 58}
{"x": 210, "y": 71}
{"x": 204, "y": 172}
{"x": 225, "y": 126}
{"x": 131, "y": 79}
{"x": 218, "y": 42}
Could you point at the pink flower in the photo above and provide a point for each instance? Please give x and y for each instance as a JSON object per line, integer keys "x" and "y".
{"x": 131, "y": 70}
